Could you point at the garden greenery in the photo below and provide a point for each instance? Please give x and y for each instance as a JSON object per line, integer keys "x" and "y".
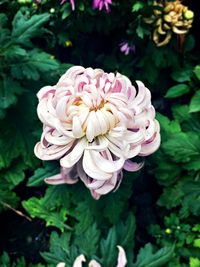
{"x": 154, "y": 214}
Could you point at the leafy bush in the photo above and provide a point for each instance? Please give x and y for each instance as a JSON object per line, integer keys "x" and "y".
{"x": 153, "y": 215}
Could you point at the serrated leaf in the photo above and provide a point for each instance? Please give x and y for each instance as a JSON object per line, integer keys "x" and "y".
{"x": 36, "y": 63}
{"x": 167, "y": 125}
{"x": 191, "y": 201}
{"x": 25, "y": 28}
{"x": 195, "y": 103}
{"x": 172, "y": 196}
{"x": 88, "y": 241}
{"x": 177, "y": 90}
{"x": 9, "y": 90}
{"x": 14, "y": 175}
{"x": 182, "y": 146}
{"x": 60, "y": 250}
{"x": 37, "y": 208}
{"x": 14, "y": 52}
{"x": 49, "y": 169}
{"x": 147, "y": 258}
{"x": 108, "y": 248}
{"x": 125, "y": 232}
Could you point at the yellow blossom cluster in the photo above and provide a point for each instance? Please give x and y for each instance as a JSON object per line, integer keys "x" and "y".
{"x": 168, "y": 18}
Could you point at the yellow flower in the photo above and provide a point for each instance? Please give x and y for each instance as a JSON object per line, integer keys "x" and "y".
{"x": 68, "y": 43}
{"x": 168, "y": 231}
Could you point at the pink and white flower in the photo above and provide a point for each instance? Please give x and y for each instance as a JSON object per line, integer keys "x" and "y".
{"x": 93, "y": 263}
{"x": 94, "y": 123}
{"x": 100, "y": 4}
{"x": 126, "y": 49}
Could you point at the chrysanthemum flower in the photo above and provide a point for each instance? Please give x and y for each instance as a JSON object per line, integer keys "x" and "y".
{"x": 121, "y": 261}
{"x": 94, "y": 123}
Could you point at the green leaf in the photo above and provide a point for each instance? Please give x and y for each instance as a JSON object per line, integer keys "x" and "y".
{"x": 125, "y": 232}
{"x": 140, "y": 31}
{"x": 194, "y": 262}
{"x": 49, "y": 169}
{"x": 177, "y": 90}
{"x": 33, "y": 66}
{"x": 14, "y": 175}
{"x": 24, "y": 28}
{"x": 7, "y": 197}
{"x": 172, "y": 196}
{"x": 88, "y": 241}
{"x": 197, "y": 71}
{"x": 191, "y": 201}
{"x": 182, "y": 146}
{"x": 168, "y": 126}
{"x": 9, "y": 90}
{"x": 60, "y": 250}
{"x": 137, "y": 6}
{"x": 17, "y": 139}
{"x": 182, "y": 75}
{"x": 147, "y": 258}
{"x": 197, "y": 243}
{"x": 195, "y": 103}
{"x": 108, "y": 248}
{"x": 37, "y": 208}
{"x": 14, "y": 52}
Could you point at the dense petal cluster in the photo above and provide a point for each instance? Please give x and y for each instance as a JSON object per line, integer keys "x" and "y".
{"x": 95, "y": 122}
{"x": 171, "y": 17}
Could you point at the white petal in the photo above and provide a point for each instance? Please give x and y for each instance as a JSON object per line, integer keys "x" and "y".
{"x": 103, "y": 144}
{"x": 107, "y": 165}
{"x": 104, "y": 125}
{"x": 132, "y": 152}
{"x": 92, "y": 169}
{"x": 52, "y": 152}
{"x": 70, "y": 159}
{"x": 94, "y": 263}
{"x": 77, "y": 127}
{"x": 122, "y": 261}
{"x": 60, "y": 264}
{"x": 78, "y": 261}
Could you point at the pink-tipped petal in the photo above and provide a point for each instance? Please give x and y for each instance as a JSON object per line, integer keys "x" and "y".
{"x": 122, "y": 261}
{"x": 132, "y": 166}
{"x": 78, "y": 261}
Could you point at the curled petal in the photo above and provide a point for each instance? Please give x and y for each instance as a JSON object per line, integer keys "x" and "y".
{"x": 78, "y": 261}
{"x": 94, "y": 263}
{"x": 132, "y": 166}
{"x": 72, "y": 157}
{"x": 122, "y": 261}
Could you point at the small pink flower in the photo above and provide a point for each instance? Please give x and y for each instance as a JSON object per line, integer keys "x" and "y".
{"x": 100, "y": 4}
{"x": 121, "y": 262}
{"x": 94, "y": 123}
{"x": 126, "y": 48}
{"x": 72, "y": 2}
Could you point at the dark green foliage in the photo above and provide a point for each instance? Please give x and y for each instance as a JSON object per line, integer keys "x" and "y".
{"x": 35, "y": 37}
{"x": 147, "y": 258}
